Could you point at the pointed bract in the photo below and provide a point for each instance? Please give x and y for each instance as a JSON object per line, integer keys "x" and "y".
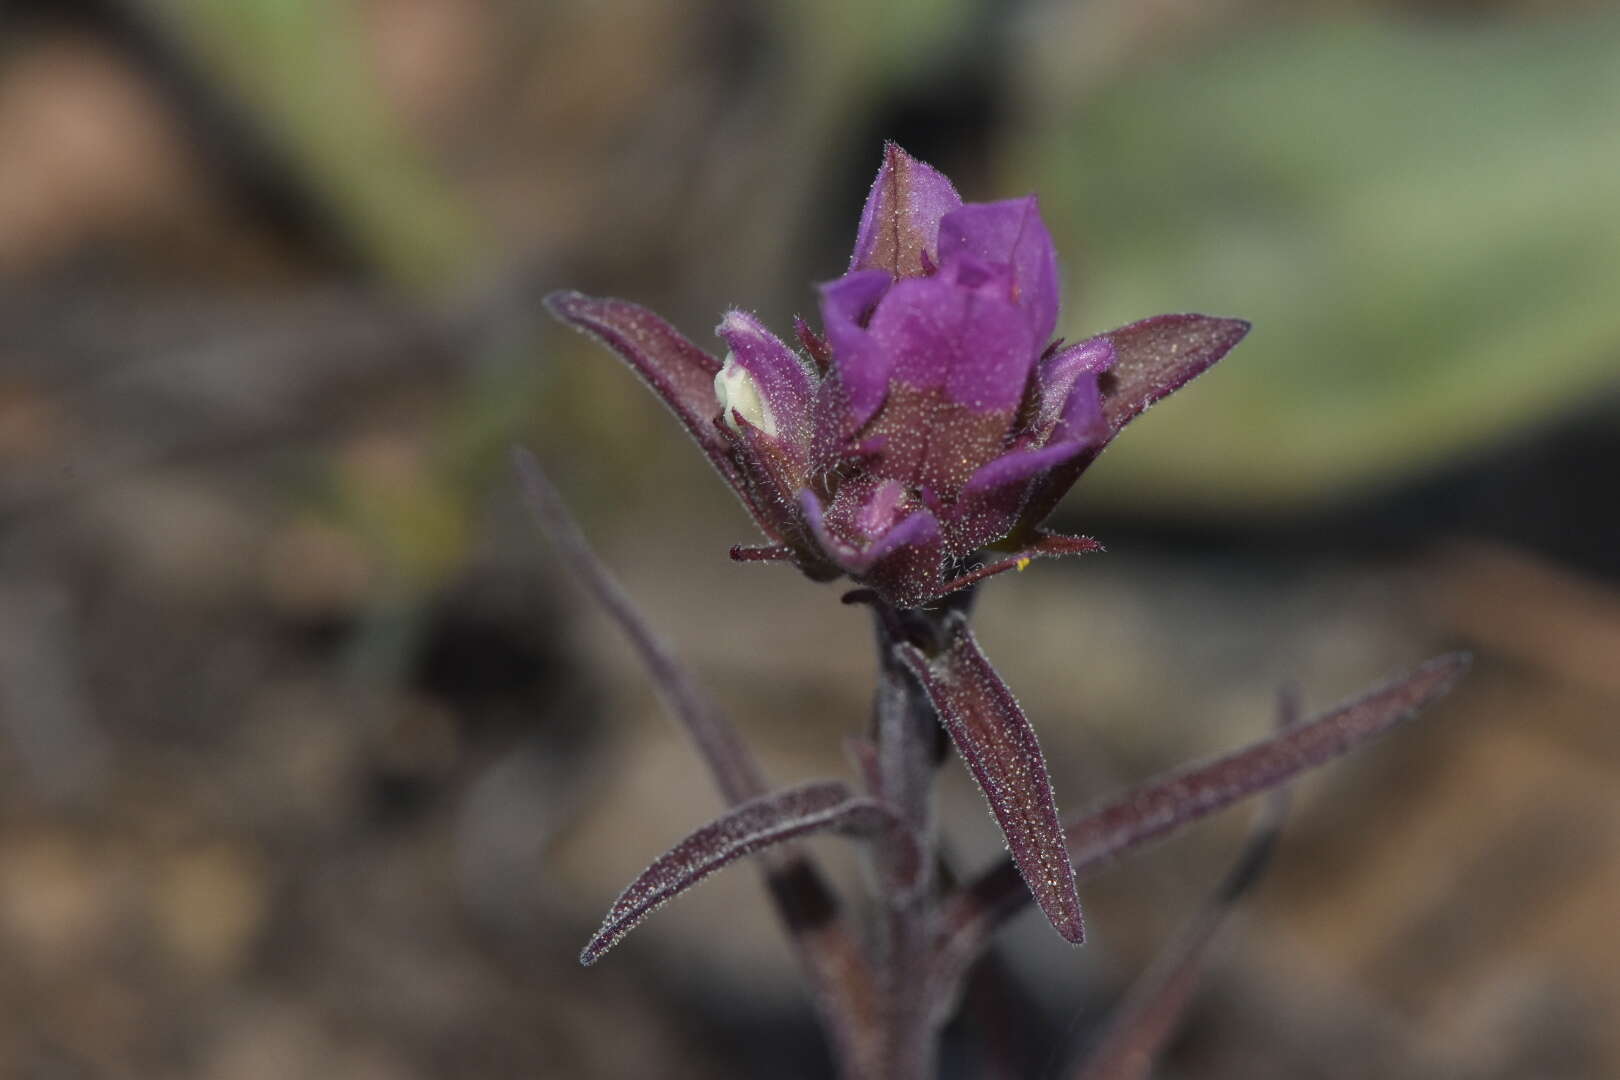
{"x": 1157, "y": 356}
{"x": 900, "y": 222}
{"x": 1152, "y": 359}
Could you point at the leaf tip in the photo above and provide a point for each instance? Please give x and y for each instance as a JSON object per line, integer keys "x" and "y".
{"x": 1443, "y": 673}
{"x": 593, "y": 951}
{"x": 562, "y": 302}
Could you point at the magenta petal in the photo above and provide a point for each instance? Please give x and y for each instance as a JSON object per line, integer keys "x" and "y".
{"x": 815, "y": 519}
{"x": 1069, "y": 393}
{"x": 859, "y": 376}
{"x": 919, "y": 529}
{"x": 784, "y": 386}
{"x": 1012, "y": 469}
{"x": 998, "y": 745}
{"x": 1158, "y": 356}
{"x": 959, "y": 333}
{"x": 905, "y": 564}
{"x": 902, "y": 564}
{"x": 900, "y": 222}
{"x": 993, "y": 497}
{"x": 1009, "y": 233}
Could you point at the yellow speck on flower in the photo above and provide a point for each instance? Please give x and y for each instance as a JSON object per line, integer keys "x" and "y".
{"x": 1022, "y": 563}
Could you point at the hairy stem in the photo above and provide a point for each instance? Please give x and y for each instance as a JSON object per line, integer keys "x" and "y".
{"x": 906, "y": 733}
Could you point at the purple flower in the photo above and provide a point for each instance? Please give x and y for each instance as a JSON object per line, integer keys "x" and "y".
{"x": 922, "y": 437}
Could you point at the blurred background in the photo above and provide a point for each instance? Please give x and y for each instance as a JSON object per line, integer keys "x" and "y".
{"x": 314, "y": 762}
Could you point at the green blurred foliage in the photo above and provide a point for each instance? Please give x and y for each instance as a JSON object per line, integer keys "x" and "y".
{"x": 1421, "y": 220}
{"x": 303, "y": 67}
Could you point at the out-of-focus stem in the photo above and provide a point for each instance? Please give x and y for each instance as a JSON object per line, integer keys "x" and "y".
{"x": 840, "y": 974}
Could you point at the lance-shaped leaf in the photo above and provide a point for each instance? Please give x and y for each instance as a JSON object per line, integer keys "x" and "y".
{"x": 823, "y": 806}
{"x": 1150, "y": 1011}
{"x": 1174, "y": 801}
{"x": 999, "y": 748}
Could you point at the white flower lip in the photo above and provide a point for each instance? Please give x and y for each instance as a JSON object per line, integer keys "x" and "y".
{"x": 738, "y": 394}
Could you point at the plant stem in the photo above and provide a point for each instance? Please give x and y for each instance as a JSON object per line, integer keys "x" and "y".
{"x": 909, "y": 742}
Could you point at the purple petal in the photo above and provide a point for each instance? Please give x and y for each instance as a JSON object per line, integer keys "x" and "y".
{"x": 959, "y": 331}
{"x": 747, "y": 828}
{"x": 859, "y": 377}
{"x": 904, "y": 564}
{"x": 1009, "y": 233}
{"x": 1014, "y": 468}
{"x": 998, "y": 745}
{"x": 993, "y": 497}
{"x": 917, "y": 529}
{"x": 1068, "y": 392}
{"x": 774, "y": 374}
{"x": 920, "y": 529}
{"x": 900, "y": 222}
{"x": 815, "y": 519}
{"x": 1158, "y": 356}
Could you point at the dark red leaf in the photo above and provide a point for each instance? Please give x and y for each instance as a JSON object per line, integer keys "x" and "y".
{"x": 752, "y": 826}
{"x": 998, "y": 745}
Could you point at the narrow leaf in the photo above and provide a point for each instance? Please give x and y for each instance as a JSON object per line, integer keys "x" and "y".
{"x": 1180, "y": 798}
{"x": 1151, "y": 1010}
{"x": 998, "y": 745}
{"x": 733, "y": 767}
{"x": 752, "y": 826}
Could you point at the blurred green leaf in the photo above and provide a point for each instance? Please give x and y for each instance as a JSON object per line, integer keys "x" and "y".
{"x": 1422, "y": 221}
{"x": 303, "y": 66}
